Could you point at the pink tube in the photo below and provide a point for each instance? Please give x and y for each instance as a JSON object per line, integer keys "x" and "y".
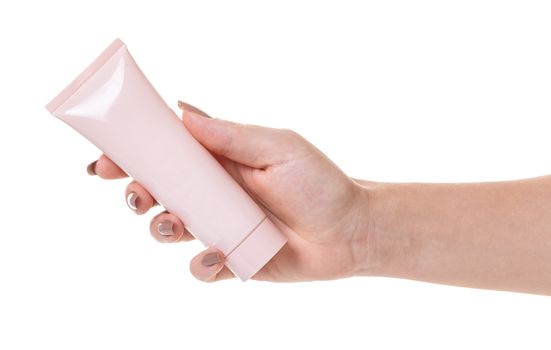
{"x": 115, "y": 107}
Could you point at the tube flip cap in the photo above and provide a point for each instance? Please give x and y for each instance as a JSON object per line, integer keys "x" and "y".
{"x": 256, "y": 250}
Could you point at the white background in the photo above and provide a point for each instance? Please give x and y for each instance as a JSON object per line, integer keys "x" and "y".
{"x": 390, "y": 90}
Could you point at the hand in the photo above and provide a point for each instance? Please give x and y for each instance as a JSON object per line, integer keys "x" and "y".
{"x": 320, "y": 209}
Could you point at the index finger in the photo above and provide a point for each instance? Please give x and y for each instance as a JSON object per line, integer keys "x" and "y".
{"x": 105, "y": 168}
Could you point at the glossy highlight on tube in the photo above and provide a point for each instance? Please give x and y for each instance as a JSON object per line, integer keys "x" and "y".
{"x": 114, "y": 106}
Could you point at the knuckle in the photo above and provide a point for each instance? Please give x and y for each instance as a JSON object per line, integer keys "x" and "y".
{"x": 291, "y": 134}
{"x": 231, "y": 138}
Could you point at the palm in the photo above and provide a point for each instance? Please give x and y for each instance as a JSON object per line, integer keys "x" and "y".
{"x": 310, "y": 199}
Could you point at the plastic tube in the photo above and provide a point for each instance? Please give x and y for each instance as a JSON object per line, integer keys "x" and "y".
{"x": 114, "y": 106}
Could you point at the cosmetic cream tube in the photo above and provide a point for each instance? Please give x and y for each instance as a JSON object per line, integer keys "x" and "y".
{"x": 115, "y": 107}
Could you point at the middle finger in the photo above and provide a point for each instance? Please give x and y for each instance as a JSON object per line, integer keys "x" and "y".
{"x": 138, "y": 199}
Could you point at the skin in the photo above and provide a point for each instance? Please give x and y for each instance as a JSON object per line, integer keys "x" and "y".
{"x": 483, "y": 235}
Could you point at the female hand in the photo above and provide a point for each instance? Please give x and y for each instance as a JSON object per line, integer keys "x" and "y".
{"x": 320, "y": 209}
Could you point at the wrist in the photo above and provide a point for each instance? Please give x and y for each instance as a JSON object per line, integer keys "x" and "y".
{"x": 363, "y": 251}
{"x": 381, "y": 245}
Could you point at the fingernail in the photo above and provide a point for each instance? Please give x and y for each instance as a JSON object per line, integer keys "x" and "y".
{"x": 211, "y": 259}
{"x": 91, "y": 168}
{"x": 165, "y": 228}
{"x": 131, "y": 200}
{"x": 186, "y": 107}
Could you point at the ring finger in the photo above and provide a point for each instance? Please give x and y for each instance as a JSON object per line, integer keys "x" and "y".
{"x": 167, "y": 228}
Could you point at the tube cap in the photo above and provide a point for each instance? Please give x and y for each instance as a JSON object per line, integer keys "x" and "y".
{"x": 256, "y": 250}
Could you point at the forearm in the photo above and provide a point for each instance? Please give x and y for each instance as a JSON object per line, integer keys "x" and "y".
{"x": 484, "y": 235}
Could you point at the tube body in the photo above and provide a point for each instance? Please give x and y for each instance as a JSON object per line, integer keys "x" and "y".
{"x": 114, "y": 106}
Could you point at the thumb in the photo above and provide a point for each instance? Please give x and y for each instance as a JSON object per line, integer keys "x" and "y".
{"x": 252, "y": 145}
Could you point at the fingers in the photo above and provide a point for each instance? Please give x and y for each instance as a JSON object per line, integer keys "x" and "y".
{"x": 105, "y": 168}
{"x": 252, "y": 145}
{"x": 209, "y": 266}
{"x": 138, "y": 199}
{"x": 167, "y": 228}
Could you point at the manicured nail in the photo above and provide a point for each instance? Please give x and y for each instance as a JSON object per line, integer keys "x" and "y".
{"x": 91, "y": 168}
{"x": 186, "y": 107}
{"x": 211, "y": 259}
{"x": 166, "y": 228}
{"x": 131, "y": 200}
